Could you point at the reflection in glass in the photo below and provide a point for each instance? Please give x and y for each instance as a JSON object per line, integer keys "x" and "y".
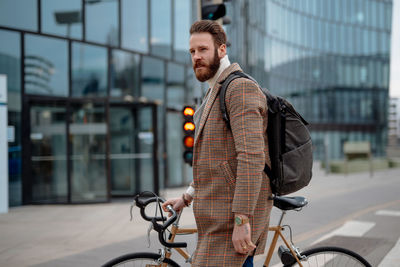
{"x": 134, "y": 25}
{"x": 48, "y": 154}
{"x": 161, "y": 28}
{"x": 10, "y": 59}
{"x": 153, "y": 88}
{"x": 125, "y": 74}
{"x": 145, "y": 146}
{"x": 123, "y": 157}
{"x": 61, "y": 17}
{"x": 175, "y": 89}
{"x": 132, "y": 144}
{"x": 89, "y": 70}
{"x": 101, "y": 21}
{"x": 46, "y": 66}
{"x": 152, "y": 78}
{"x": 88, "y": 131}
{"x": 174, "y": 149}
{"x": 20, "y": 14}
{"x": 10, "y": 65}
{"x": 182, "y": 26}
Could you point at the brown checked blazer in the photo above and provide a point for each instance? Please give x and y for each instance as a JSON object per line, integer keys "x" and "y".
{"x": 228, "y": 172}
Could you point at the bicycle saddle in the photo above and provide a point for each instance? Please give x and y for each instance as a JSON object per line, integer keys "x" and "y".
{"x": 289, "y": 203}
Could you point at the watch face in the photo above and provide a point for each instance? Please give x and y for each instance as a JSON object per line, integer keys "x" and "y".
{"x": 238, "y": 220}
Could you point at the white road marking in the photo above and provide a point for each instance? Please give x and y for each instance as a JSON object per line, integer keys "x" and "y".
{"x": 350, "y": 228}
{"x": 394, "y": 213}
{"x": 392, "y": 259}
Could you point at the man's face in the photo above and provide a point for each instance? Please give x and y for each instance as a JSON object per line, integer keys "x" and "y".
{"x": 205, "y": 56}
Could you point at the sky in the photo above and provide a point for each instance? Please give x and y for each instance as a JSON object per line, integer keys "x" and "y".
{"x": 395, "y": 52}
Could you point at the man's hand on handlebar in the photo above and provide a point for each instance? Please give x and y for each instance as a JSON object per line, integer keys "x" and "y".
{"x": 177, "y": 204}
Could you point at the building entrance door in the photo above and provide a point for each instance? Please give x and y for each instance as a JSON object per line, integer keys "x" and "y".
{"x": 88, "y": 152}
{"x": 83, "y": 152}
{"x": 65, "y": 159}
{"x": 133, "y": 158}
{"x": 47, "y": 144}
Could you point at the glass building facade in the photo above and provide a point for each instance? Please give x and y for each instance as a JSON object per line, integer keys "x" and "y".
{"x": 96, "y": 87}
{"x": 95, "y": 91}
{"x": 329, "y": 58}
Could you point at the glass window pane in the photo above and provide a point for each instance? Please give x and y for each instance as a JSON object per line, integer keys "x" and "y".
{"x": 176, "y": 86}
{"x": 62, "y": 17}
{"x": 125, "y": 78}
{"x": 10, "y": 65}
{"x": 10, "y": 58}
{"x": 152, "y": 78}
{"x": 122, "y": 156}
{"x": 388, "y": 16}
{"x": 88, "y": 132}
{"x": 174, "y": 149}
{"x": 134, "y": 25}
{"x": 132, "y": 142}
{"x": 161, "y": 28}
{"x": 145, "y": 148}
{"x": 46, "y": 66}
{"x": 182, "y": 27}
{"x": 153, "y": 89}
{"x": 49, "y": 154}
{"x": 89, "y": 70}
{"x": 101, "y": 22}
{"x": 21, "y": 14}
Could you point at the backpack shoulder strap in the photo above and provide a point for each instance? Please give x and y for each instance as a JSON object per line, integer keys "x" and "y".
{"x": 224, "y": 86}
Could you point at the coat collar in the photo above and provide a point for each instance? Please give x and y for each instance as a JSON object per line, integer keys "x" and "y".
{"x": 213, "y": 95}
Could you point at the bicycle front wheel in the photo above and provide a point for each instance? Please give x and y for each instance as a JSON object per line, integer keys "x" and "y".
{"x": 331, "y": 256}
{"x": 142, "y": 259}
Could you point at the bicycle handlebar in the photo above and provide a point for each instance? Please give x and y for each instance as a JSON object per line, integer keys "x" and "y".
{"x": 160, "y": 228}
{"x": 142, "y": 203}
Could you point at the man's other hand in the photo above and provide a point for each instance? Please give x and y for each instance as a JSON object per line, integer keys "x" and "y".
{"x": 241, "y": 239}
{"x": 176, "y": 203}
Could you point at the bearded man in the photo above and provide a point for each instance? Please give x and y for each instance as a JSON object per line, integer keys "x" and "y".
{"x": 230, "y": 191}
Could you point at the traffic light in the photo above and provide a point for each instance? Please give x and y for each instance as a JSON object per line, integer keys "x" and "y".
{"x": 188, "y": 134}
{"x": 214, "y": 12}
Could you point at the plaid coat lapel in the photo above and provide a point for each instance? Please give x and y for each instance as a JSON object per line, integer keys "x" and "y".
{"x": 214, "y": 93}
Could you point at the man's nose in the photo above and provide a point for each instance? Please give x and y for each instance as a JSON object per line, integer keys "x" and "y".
{"x": 196, "y": 56}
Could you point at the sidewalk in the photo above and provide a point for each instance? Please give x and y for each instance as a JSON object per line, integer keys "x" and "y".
{"x": 31, "y": 235}
{"x": 36, "y": 235}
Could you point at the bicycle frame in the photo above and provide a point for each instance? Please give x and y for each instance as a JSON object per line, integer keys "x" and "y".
{"x": 276, "y": 229}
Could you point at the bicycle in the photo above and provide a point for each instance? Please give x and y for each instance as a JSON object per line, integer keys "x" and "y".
{"x": 289, "y": 254}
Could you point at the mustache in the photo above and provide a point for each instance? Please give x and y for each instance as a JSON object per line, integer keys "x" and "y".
{"x": 199, "y": 64}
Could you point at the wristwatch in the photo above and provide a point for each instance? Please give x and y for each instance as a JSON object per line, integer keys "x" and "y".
{"x": 240, "y": 220}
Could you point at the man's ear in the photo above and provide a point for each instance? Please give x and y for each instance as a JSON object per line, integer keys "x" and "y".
{"x": 222, "y": 51}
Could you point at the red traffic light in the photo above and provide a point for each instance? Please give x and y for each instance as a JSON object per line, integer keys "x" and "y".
{"x": 188, "y": 141}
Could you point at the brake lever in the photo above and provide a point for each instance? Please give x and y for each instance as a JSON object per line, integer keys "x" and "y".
{"x": 132, "y": 206}
{"x": 148, "y": 234}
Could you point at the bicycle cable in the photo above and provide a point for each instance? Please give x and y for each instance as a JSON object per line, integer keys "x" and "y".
{"x": 159, "y": 207}
{"x": 290, "y": 233}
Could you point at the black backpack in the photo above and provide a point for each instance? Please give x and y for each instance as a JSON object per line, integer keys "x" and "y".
{"x": 290, "y": 146}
